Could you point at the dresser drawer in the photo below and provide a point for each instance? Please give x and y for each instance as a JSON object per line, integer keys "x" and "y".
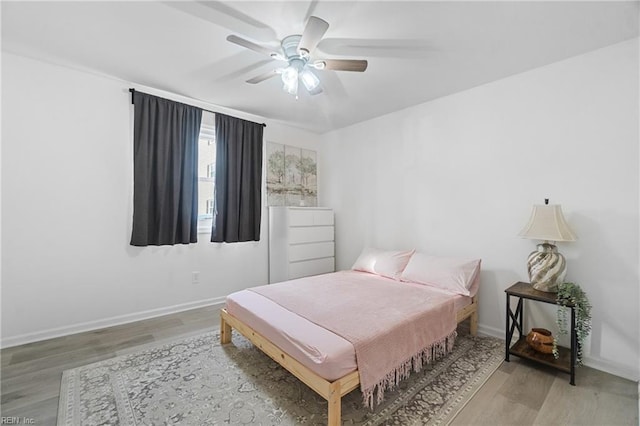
{"x": 301, "y": 242}
{"x": 322, "y": 217}
{"x": 310, "y": 234}
{"x": 298, "y": 252}
{"x": 311, "y": 267}
{"x": 310, "y": 217}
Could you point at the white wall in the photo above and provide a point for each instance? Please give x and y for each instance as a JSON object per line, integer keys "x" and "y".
{"x": 67, "y": 205}
{"x": 458, "y": 176}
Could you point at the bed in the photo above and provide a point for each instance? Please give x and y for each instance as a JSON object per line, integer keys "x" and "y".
{"x": 320, "y": 357}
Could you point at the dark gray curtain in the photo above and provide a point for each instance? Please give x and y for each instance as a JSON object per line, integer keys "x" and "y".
{"x": 236, "y": 216}
{"x": 165, "y": 171}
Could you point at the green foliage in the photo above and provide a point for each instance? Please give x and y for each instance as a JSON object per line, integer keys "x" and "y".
{"x": 572, "y": 294}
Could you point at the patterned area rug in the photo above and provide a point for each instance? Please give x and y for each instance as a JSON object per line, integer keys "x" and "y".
{"x": 196, "y": 381}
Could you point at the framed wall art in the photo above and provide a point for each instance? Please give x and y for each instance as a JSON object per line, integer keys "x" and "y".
{"x": 292, "y": 178}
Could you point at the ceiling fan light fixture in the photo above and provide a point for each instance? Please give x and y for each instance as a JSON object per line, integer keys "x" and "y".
{"x": 304, "y": 53}
{"x": 297, "y": 51}
{"x": 309, "y": 79}
{"x": 291, "y": 88}
{"x": 289, "y": 75}
{"x": 290, "y": 80}
{"x": 319, "y": 65}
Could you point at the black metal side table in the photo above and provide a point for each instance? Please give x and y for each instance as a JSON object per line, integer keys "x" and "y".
{"x": 566, "y": 361}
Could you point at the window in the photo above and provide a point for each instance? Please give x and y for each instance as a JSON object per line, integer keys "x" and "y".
{"x": 206, "y": 172}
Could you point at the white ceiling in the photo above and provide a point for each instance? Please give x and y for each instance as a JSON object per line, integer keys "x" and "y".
{"x": 417, "y": 50}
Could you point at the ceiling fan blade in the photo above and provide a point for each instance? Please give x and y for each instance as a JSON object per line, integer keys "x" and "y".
{"x": 311, "y": 9}
{"x": 253, "y": 46}
{"x": 312, "y": 34}
{"x": 225, "y": 16}
{"x": 230, "y": 68}
{"x": 262, "y": 77}
{"x": 356, "y": 65}
{"x": 381, "y": 48}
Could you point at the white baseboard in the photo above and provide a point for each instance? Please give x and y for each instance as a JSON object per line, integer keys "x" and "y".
{"x": 612, "y": 368}
{"x": 106, "y": 322}
{"x": 485, "y": 330}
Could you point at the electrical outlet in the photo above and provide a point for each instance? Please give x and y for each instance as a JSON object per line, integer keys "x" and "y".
{"x": 195, "y": 277}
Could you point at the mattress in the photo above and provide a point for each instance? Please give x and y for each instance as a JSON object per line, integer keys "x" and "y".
{"x": 322, "y": 351}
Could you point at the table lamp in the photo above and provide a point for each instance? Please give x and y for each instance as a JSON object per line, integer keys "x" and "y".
{"x": 547, "y": 268}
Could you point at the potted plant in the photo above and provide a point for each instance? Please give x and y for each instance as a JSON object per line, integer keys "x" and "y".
{"x": 572, "y": 294}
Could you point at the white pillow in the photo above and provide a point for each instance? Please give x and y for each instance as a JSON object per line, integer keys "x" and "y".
{"x": 389, "y": 264}
{"x": 448, "y": 273}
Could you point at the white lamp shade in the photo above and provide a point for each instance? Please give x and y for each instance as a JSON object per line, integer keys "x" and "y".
{"x": 309, "y": 79}
{"x": 547, "y": 223}
{"x": 290, "y": 79}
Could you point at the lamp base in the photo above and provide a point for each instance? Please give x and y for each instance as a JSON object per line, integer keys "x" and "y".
{"x": 547, "y": 268}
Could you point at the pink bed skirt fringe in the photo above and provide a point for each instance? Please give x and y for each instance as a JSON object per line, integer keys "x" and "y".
{"x": 427, "y": 355}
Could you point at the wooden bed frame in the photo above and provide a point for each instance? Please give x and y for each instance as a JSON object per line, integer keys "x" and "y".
{"x": 331, "y": 391}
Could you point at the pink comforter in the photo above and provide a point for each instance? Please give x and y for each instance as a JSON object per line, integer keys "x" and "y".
{"x": 394, "y": 327}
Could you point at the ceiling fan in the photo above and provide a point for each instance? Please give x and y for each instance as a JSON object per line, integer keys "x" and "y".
{"x": 297, "y": 51}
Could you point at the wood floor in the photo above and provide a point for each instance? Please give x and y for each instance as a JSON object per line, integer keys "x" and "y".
{"x": 519, "y": 393}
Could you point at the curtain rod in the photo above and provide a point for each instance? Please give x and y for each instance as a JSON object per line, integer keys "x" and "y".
{"x": 212, "y": 112}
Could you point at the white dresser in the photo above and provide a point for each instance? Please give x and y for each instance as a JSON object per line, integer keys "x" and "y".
{"x": 300, "y": 242}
